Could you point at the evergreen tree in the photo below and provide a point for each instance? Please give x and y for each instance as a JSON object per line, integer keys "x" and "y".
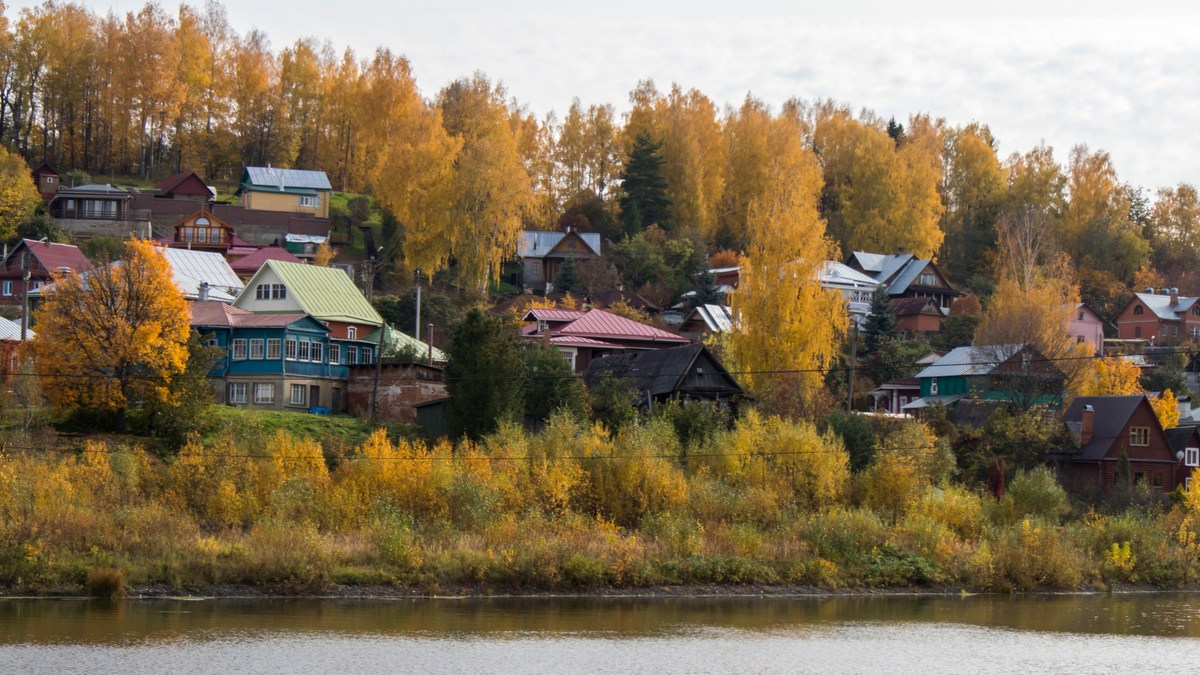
{"x": 566, "y": 279}
{"x": 483, "y": 375}
{"x": 881, "y": 322}
{"x": 644, "y": 199}
{"x": 551, "y": 385}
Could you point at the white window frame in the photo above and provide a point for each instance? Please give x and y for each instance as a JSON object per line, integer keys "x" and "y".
{"x": 1139, "y": 434}
{"x": 351, "y": 355}
{"x": 256, "y": 349}
{"x": 237, "y": 350}
{"x": 365, "y": 355}
{"x": 318, "y": 352}
{"x": 274, "y": 349}
{"x": 262, "y": 292}
{"x": 302, "y": 399}
{"x": 289, "y": 349}
{"x": 264, "y": 393}
{"x": 7, "y": 287}
{"x": 302, "y": 351}
{"x": 933, "y": 386}
{"x": 237, "y": 392}
{"x": 278, "y": 292}
{"x": 351, "y": 332}
{"x": 1191, "y": 457}
{"x": 335, "y": 353}
{"x": 312, "y": 201}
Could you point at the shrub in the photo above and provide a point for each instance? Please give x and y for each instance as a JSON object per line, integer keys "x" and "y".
{"x": 106, "y": 582}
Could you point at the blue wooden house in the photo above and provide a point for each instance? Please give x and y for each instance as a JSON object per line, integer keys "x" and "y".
{"x": 279, "y": 361}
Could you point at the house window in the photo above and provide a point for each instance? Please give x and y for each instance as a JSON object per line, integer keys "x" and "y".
{"x": 256, "y": 349}
{"x": 351, "y": 355}
{"x": 264, "y": 393}
{"x": 290, "y": 347}
{"x": 1138, "y": 310}
{"x": 278, "y": 292}
{"x": 1195, "y": 331}
{"x": 1196, "y": 310}
{"x": 237, "y": 392}
{"x": 303, "y": 350}
{"x": 1079, "y": 339}
{"x": 273, "y": 348}
{"x": 262, "y": 292}
{"x": 352, "y": 333}
{"x": 1081, "y": 315}
{"x": 298, "y": 394}
{"x": 1156, "y": 480}
{"x": 1187, "y": 483}
{"x": 928, "y": 279}
{"x": 307, "y": 200}
{"x": 7, "y": 287}
{"x": 933, "y": 386}
{"x": 1137, "y": 331}
{"x": 335, "y": 354}
{"x": 37, "y": 285}
{"x": 1191, "y": 457}
{"x": 202, "y": 235}
{"x": 239, "y": 349}
{"x": 318, "y": 350}
{"x": 1139, "y": 436}
{"x": 366, "y": 355}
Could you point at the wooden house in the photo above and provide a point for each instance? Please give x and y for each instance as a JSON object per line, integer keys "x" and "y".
{"x": 542, "y": 253}
{"x": 47, "y": 181}
{"x": 285, "y": 190}
{"x": 1017, "y": 374}
{"x": 43, "y": 260}
{"x": 687, "y": 373}
{"x": 1110, "y": 430}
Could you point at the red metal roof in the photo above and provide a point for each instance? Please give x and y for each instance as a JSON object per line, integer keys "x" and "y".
{"x": 577, "y": 341}
{"x": 253, "y": 261}
{"x": 600, "y": 324}
{"x": 53, "y": 256}
{"x": 172, "y": 183}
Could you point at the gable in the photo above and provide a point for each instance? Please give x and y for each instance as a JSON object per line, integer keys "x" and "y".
{"x": 327, "y": 293}
{"x": 572, "y": 244}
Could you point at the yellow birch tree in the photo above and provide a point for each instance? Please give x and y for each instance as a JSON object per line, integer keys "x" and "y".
{"x": 785, "y": 320}
{"x": 114, "y": 337}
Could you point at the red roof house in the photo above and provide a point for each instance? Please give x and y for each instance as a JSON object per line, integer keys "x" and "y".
{"x": 248, "y": 264}
{"x": 43, "y": 260}
{"x": 583, "y": 336}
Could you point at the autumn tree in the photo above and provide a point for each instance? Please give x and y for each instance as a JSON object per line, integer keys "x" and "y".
{"x": 974, "y": 189}
{"x": 787, "y": 322}
{"x": 18, "y": 196}
{"x": 1111, "y": 376}
{"x": 1174, "y": 233}
{"x": 491, "y": 187}
{"x": 115, "y": 337}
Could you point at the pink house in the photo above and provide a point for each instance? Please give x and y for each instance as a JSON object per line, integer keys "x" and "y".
{"x": 1086, "y": 326}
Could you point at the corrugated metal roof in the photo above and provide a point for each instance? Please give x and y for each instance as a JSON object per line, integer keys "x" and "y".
{"x": 536, "y": 244}
{"x": 94, "y": 189}
{"x": 833, "y": 272}
{"x": 717, "y": 318}
{"x": 577, "y": 341}
{"x": 11, "y": 330}
{"x": 972, "y": 360}
{"x": 327, "y": 293}
{"x": 870, "y": 262}
{"x": 212, "y": 314}
{"x": 906, "y": 275}
{"x": 398, "y": 339}
{"x": 601, "y": 324}
{"x": 54, "y": 256}
{"x": 264, "y": 177}
{"x": 191, "y": 268}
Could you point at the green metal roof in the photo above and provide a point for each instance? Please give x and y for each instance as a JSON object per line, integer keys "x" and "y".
{"x": 327, "y": 293}
{"x": 398, "y": 340}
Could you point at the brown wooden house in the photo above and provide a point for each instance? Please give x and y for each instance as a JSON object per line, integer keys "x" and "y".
{"x": 43, "y": 260}
{"x": 201, "y": 230}
{"x": 186, "y": 186}
{"x": 47, "y": 181}
{"x": 688, "y": 373}
{"x": 1108, "y": 430}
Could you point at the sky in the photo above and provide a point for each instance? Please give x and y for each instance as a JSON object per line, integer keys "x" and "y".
{"x": 1118, "y": 76}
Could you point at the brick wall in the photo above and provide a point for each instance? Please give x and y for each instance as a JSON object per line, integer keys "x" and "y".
{"x": 401, "y": 387}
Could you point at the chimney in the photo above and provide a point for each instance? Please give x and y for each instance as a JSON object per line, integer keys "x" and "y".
{"x": 203, "y": 291}
{"x": 1088, "y": 425}
{"x": 1174, "y": 296}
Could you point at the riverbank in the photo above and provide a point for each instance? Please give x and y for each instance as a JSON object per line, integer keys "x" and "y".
{"x": 572, "y": 510}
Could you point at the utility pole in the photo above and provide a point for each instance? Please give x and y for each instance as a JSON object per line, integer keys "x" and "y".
{"x": 417, "y": 324}
{"x": 25, "y": 274}
{"x": 369, "y": 278}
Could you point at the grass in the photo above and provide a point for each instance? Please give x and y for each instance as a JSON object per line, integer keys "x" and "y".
{"x": 331, "y": 431}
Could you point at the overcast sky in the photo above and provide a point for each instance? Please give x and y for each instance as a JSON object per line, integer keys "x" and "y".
{"x": 1124, "y": 80}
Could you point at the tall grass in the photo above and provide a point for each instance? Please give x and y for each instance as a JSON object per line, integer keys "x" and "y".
{"x": 574, "y": 507}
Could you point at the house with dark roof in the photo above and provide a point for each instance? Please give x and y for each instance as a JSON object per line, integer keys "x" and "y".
{"x": 204, "y": 231}
{"x": 1163, "y": 317}
{"x": 277, "y": 361}
{"x": 1109, "y": 430}
{"x": 917, "y": 316}
{"x": 287, "y": 190}
{"x": 325, "y": 293}
{"x": 904, "y": 275}
{"x": 185, "y": 185}
{"x": 93, "y": 202}
{"x": 582, "y": 336}
{"x": 43, "y": 260}
{"x": 47, "y": 181}
{"x": 688, "y": 373}
{"x": 542, "y": 253}
{"x": 246, "y": 265}
{"x": 1017, "y": 374}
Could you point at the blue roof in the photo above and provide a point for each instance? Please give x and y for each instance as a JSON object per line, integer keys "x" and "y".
{"x": 284, "y": 180}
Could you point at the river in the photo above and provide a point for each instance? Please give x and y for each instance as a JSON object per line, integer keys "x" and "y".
{"x": 943, "y": 634}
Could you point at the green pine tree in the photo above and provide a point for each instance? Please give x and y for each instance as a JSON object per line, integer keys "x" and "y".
{"x": 644, "y": 199}
{"x": 566, "y": 279}
{"x": 484, "y": 375}
{"x": 880, "y": 325}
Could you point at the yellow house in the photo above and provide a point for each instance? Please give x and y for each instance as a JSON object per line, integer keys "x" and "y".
{"x": 287, "y": 190}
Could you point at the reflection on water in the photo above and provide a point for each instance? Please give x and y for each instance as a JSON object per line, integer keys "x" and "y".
{"x": 944, "y": 634}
